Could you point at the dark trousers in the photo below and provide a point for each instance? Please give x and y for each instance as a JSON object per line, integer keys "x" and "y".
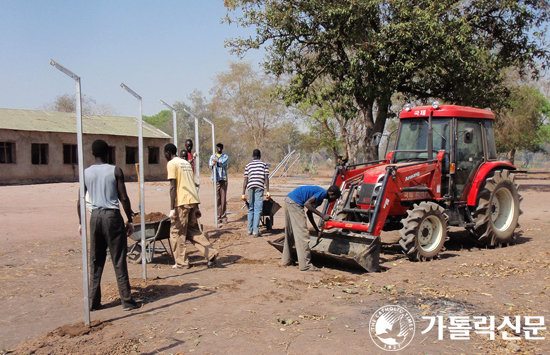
{"x": 107, "y": 230}
{"x": 221, "y": 190}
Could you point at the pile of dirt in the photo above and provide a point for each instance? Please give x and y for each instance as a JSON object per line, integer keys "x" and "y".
{"x": 78, "y": 329}
{"x": 150, "y": 217}
{"x": 80, "y": 339}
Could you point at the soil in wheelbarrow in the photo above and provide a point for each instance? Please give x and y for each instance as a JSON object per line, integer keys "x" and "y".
{"x": 150, "y": 217}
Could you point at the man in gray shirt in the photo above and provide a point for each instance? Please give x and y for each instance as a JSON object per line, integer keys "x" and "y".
{"x": 105, "y": 184}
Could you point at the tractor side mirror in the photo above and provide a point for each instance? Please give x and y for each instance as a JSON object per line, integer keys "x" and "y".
{"x": 468, "y": 135}
{"x": 376, "y": 139}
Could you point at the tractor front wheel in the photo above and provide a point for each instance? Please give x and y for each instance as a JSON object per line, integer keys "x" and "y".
{"x": 424, "y": 231}
{"x": 497, "y": 212}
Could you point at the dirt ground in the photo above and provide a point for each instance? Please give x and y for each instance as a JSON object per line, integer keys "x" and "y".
{"x": 249, "y": 304}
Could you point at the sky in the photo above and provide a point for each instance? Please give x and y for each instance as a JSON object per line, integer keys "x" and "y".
{"x": 160, "y": 49}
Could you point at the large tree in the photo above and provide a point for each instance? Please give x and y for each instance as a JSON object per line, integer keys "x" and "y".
{"x": 370, "y": 50}
{"x": 246, "y": 96}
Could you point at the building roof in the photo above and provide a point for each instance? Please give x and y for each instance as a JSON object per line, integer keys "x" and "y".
{"x": 52, "y": 121}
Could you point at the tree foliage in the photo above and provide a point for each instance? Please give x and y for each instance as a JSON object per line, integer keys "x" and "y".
{"x": 162, "y": 120}
{"x": 283, "y": 139}
{"x": 521, "y": 125}
{"x": 224, "y": 129}
{"x": 200, "y": 107}
{"x": 245, "y": 96}
{"x": 185, "y": 123}
{"x": 67, "y": 103}
{"x": 369, "y": 50}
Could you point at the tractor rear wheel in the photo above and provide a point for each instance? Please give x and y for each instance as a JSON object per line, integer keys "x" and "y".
{"x": 497, "y": 212}
{"x": 424, "y": 231}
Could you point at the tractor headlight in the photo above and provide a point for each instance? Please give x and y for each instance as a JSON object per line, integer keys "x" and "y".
{"x": 407, "y": 108}
{"x": 378, "y": 186}
{"x": 435, "y": 105}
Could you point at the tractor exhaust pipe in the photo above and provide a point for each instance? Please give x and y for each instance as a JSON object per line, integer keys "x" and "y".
{"x": 430, "y": 137}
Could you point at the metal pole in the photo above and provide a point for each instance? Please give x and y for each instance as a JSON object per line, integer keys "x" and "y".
{"x": 81, "y": 184}
{"x": 174, "y": 123}
{"x": 141, "y": 182}
{"x": 197, "y": 160}
{"x": 287, "y": 157}
{"x": 215, "y": 177}
{"x": 175, "y": 128}
{"x": 287, "y": 170}
{"x": 215, "y": 174}
{"x": 213, "y": 153}
{"x": 197, "y": 146}
{"x": 142, "y": 190}
{"x": 284, "y": 167}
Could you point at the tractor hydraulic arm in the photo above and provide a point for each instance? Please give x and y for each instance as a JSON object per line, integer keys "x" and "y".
{"x": 380, "y": 213}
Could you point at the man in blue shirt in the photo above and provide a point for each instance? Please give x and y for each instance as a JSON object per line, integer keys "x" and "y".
{"x": 218, "y": 164}
{"x": 296, "y": 231}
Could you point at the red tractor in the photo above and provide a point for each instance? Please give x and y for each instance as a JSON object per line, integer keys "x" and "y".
{"x": 443, "y": 171}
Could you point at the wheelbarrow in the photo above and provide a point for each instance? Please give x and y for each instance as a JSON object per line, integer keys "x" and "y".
{"x": 154, "y": 232}
{"x": 269, "y": 208}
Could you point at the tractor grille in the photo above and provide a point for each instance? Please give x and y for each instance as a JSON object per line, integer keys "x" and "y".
{"x": 365, "y": 194}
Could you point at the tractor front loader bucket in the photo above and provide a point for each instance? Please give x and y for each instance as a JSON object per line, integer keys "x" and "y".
{"x": 351, "y": 243}
{"x": 348, "y": 249}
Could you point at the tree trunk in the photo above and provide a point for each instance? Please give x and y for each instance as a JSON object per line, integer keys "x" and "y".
{"x": 512, "y": 155}
{"x": 365, "y": 113}
{"x": 373, "y": 126}
{"x": 353, "y": 152}
{"x": 336, "y": 155}
{"x": 325, "y": 124}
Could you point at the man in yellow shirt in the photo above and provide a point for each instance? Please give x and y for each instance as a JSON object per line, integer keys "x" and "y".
{"x": 184, "y": 204}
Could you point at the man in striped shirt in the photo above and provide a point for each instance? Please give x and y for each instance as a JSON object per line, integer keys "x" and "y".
{"x": 256, "y": 180}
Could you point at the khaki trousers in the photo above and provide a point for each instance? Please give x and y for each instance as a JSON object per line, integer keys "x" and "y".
{"x": 296, "y": 232}
{"x": 184, "y": 226}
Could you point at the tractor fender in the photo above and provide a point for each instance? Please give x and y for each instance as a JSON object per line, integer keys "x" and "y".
{"x": 482, "y": 174}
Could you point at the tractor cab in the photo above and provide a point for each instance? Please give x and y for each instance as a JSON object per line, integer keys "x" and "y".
{"x": 465, "y": 135}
